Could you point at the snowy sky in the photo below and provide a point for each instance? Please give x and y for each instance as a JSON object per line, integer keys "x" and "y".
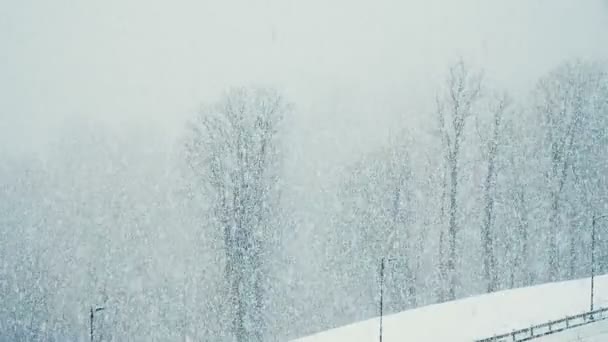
{"x": 353, "y": 67}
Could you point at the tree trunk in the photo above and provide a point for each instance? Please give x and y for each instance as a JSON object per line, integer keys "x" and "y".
{"x": 523, "y": 258}
{"x": 573, "y": 254}
{"x": 487, "y": 236}
{"x": 553, "y": 231}
{"x": 489, "y": 260}
{"x": 452, "y": 227}
{"x": 441, "y": 297}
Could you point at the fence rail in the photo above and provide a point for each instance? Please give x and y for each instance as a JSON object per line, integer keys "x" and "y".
{"x": 550, "y": 327}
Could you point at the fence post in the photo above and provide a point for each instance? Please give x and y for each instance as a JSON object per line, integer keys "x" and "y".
{"x": 567, "y": 322}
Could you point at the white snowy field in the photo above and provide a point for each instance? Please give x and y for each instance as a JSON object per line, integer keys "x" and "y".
{"x": 477, "y": 317}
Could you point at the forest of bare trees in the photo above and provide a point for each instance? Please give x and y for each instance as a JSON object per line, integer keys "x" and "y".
{"x": 193, "y": 239}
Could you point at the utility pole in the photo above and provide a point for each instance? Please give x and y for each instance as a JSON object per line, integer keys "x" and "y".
{"x": 593, "y": 233}
{"x": 91, "y": 323}
{"x": 383, "y": 262}
{"x": 592, "y": 258}
{"x": 381, "y": 293}
{"x": 92, "y": 317}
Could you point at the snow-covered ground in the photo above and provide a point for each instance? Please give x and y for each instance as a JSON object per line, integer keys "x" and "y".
{"x": 477, "y": 317}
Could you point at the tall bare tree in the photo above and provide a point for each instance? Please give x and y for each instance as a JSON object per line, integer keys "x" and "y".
{"x": 564, "y": 100}
{"x": 234, "y": 149}
{"x": 497, "y": 110}
{"x": 454, "y": 108}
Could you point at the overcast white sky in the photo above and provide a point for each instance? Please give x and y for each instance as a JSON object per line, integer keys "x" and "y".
{"x": 352, "y": 67}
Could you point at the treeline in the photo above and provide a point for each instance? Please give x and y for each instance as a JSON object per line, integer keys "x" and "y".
{"x": 501, "y": 194}
{"x": 204, "y": 239}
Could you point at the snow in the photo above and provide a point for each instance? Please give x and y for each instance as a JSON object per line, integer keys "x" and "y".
{"x": 477, "y": 317}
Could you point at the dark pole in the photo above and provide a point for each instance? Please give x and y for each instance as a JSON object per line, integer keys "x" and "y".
{"x": 592, "y": 258}
{"x": 91, "y": 321}
{"x": 593, "y": 242}
{"x": 381, "y": 293}
{"x": 92, "y": 316}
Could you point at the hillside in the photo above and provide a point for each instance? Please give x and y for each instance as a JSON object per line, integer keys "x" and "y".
{"x": 476, "y": 317}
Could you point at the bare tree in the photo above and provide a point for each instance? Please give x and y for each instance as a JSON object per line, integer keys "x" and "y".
{"x": 400, "y": 176}
{"x": 234, "y": 150}
{"x": 377, "y": 200}
{"x": 519, "y": 196}
{"x": 463, "y": 90}
{"x": 489, "y": 192}
{"x": 563, "y": 100}
{"x": 589, "y": 163}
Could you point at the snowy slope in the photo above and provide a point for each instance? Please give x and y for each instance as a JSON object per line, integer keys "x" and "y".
{"x": 476, "y": 317}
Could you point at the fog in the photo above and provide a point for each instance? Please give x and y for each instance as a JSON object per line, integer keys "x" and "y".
{"x": 127, "y": 76}
{"x": 155, "y": 62}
